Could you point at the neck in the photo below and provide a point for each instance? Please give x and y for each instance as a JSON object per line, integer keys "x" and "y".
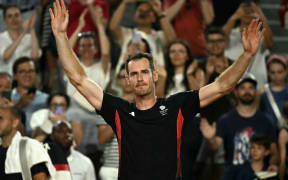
{"x": 145, "y": 102}
{"x": 67, "y": 152}
{"x": 145, "y": 28}
{"x": 14, "y": 33}
{"x": 246, "y": 110}
{"x": 179, "y": 69}
{"x": 278, "y": 86}
{"x": 128, "y": 96}
{"x": 87, "y": 61}
{"x": 6, "y": 140}
{"x": 257, "y": 165}
{"x": 22, "y": 90}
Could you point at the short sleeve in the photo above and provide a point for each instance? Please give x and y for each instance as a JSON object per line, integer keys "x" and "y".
{"x": 109, "y": 107}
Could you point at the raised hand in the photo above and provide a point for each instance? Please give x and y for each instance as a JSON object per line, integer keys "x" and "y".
{"x": 82, "y": 18}
{"x": 26, "y": 24}
{"x": 207, "y": 130}
{"x": 251, "y": 37}
{"x": 99, "y": 15}
{"x": 60, "y": 17}
{"x": 157, "y": 6}
{"x": 32, "y": 21}
{"x": 192, "y": 67}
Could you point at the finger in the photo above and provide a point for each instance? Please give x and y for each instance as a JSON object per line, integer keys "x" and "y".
{"x": 58, "y": 6}
{"x": 258, "y": 26}
{"x": 55, "y": 9}
{"x": 63, "y": 6}
{"x": 244, "y": 34}
{"x": 262, "y": 34}
{"x": 51, "y": 14}
{"x": 251, "y": 26}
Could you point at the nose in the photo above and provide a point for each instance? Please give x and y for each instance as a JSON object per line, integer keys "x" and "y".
{"x": 139, "y": 77}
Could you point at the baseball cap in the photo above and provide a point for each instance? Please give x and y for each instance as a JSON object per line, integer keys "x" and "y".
{"x": 247, "y": 77}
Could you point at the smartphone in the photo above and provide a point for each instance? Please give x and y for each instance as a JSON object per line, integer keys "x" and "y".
{"x": 59, "y": 110}
{"x": 136, "y": 38}
{"x": 32, "y": 90}
{"x": 6, "y": 94}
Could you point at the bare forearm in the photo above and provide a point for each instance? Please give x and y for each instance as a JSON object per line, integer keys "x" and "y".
{"x": 69, "y": 60}
{"x": 227, "y": 28}
{"x": 160, "y": 87}
{"x": 193, "y": 83}
{"x": 173, "y": 10}
{"x": 105, "y": 47}
{"x": 228, "y": 79}
{"x": 207, "y": 11}
{"x": 282, "y": 169}
{"x": 34, "y": 45}
{"x": 74, "y": 36}
{"x": 168, "y": 30}
{"x": 105, "y": 134}
{"x": 115, "y": 23}
{"x": 213, "y": 144}
{"x": 11, "y": 49}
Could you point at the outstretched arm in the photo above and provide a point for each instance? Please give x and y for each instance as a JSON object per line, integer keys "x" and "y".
{"x": 251, "y": 39}
{"x": 76, "y": 74}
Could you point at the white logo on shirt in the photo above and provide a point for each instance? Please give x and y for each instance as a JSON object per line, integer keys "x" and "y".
{"x": 163, "y": 110}
{"x": 132, "y": 114}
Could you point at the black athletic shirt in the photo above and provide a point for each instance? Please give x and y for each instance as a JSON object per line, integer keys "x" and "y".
{"x": 150, "y": 140}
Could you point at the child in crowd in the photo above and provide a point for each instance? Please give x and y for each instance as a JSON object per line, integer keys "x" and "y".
{"x": 259, "y": 149}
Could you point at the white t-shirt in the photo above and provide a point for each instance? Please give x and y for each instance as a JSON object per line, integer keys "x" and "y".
{"x": 23, "y": 49}
{"x": 257, "y": 66}
{"x": 179, "y": 86}
{"x": 81, "y": 167}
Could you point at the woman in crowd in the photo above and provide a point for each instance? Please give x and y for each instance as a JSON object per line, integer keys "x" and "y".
{"x": 181, "y": 72}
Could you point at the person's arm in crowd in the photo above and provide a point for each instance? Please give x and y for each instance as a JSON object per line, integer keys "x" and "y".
{"x": 104, "y": 42}
{"x": 230, "y": 24}
{"x": 105, "y": 134}
{"x": 115, "y": 23}
{"x": 39, "y": 134}
{"x": 251, "y": 39}
{"x": 161, "y": 83}
{"x": 81, "y": 24}
{"x": 75, "y": 72}
{"x": 210, "y": 68}
{"x": 268, "y": 36}
{"x": 40, "y": 176}
{"x": 173, "y": 10}
{"x": 274, "y": 159}
{"x": 207, "y": 11}
{"x": 195, "y": 76}
{"x": 209, "y": 132}
{"x": 8, "y": 53}
{"x": 282, "y": 142}
{"x": 166, "y": 25}
{"x": 92, "y": 11}
{"x": 77, "y": 131}
{"x": 34, "y": 40}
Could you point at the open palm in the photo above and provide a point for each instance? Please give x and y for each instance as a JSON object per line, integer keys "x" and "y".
{"x": 207, "y": 130}
{"x": 251, "y": 37}
{"x": 60, "y": 17}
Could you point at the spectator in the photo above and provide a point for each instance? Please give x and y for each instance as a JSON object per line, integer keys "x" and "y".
{"x": 234, "y": 50}
{"x": 77, "y": 7}
{"x": 42, "y": 120}
{"x": 146, "y": 14}
{"x": 5, "y": 82}
{"x": 191, "y": 16}
{"x": 235, "y": 128}
{"x": 275, "y": 93}
{"x": 259, "y": 150}
{"x": 39, "y": 164}
{"x": 15, "y": 42}
{"x": 81, "y": 166}
{"x": 181, "y": 73}
{"x": 106, "y": 136}
{"x": 25, "y": 96}
{"x": 282, "y": 142}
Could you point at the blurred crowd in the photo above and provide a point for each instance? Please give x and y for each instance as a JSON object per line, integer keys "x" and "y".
{"x": 192, "y": 42}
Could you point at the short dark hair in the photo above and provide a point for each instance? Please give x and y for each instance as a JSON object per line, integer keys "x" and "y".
{"x": 66, "y": 97}
{"x": 8, "y": 7}
{"x": 5, "y": 74}
{"x": 16, "y": 112}
{"x": 20, "y": 61}
{"x": 140, "y": 56}
{"x": 261, "y": 139}
{"x": 214, "y": 30}
{"x": 88, "y": 34}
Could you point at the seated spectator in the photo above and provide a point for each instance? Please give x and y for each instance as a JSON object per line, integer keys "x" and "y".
{"x": 42, "y": 120}
{"x": 25, "y": 95}
{"x": 259, "y": 150}
{"x": 5, "y": 82}
{"x": 38, "y": 166}
{"x": 191, "y": 16}
{"x": 283, "y": 142}
{"x": 245, "y": 15}
{"x": 181, "y": 72}
{"x": 106, "y": 136}
{"x": 77, "y": 7}
{"x": 146, "y": 14}
{"x": 235, "y": 128}
{"x": 15, "y": 42}
{"x": 275, "y": 93}
{"x": 81, "y": 166}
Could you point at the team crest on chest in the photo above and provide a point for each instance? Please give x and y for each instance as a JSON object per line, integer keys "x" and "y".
{"x": 163, "y": 110}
